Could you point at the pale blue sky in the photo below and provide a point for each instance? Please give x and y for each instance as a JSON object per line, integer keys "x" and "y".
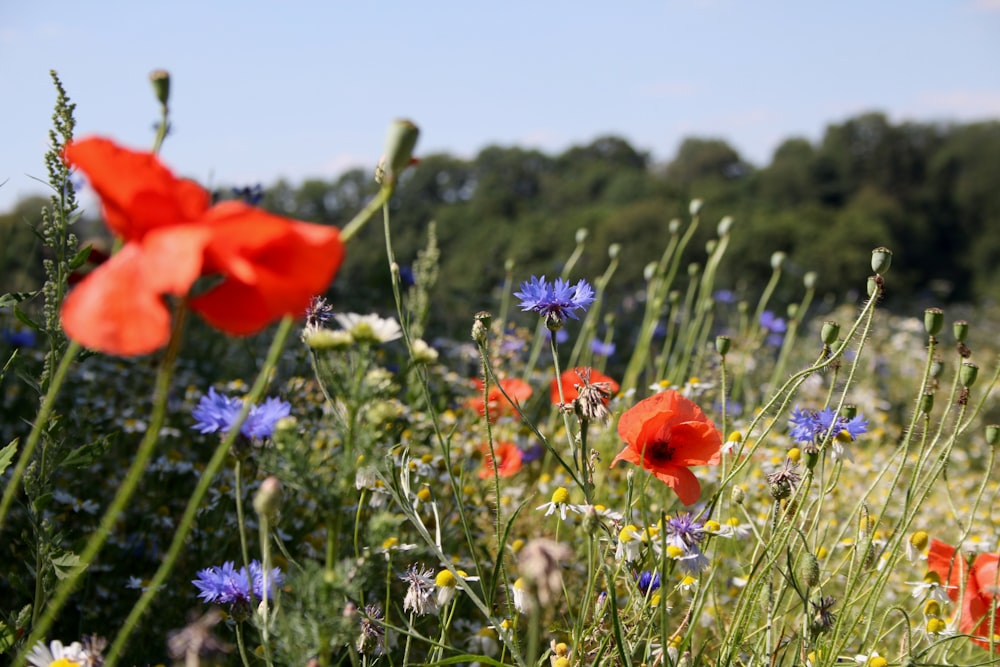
{"x": 297, "y": 89}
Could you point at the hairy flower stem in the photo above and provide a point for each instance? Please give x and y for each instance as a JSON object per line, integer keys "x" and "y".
{"x": 579, "y": 453}
{"x": 187, "y": 521}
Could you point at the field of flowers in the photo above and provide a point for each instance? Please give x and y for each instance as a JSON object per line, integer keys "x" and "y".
{"x": 209, "y": 463}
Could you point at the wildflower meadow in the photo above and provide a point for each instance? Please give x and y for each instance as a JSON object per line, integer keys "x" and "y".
{"x": 206, "y": 460}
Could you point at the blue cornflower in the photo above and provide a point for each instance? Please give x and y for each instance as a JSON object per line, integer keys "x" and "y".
{"x": 684, "y": 530}
{"x": 18, "y": 338}
{"x": 772, "y": 323}
{"x": 250, "y": 194}
{"x": 648, "y": 582}
{"x": 217, "y": 413}
{"x": 602, "y": 349}
{"x": 813, "y": 427}
{"x": 557, "y": 301}
{"x": 227, "y": 585}
{"x": 724, "y": 296}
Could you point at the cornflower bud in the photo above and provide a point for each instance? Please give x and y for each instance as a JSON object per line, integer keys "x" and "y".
{"x": 481, "y": 326}
{"x": 614, "y": 250}
{"x": 809, "y": 280}
{"x": 695, "y": 206}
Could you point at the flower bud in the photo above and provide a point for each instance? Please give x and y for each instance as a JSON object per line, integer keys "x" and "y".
{"x": 881, "y": 259}
{"x": 710, "y": 246}
{"x": 481, "y": 326}
{"x": 926, "y": 403}
{"x": 722, "y": 344}
{"x": 992, "y": 434}
{"x": 738, "y": 495}
{"x": 581, "y": 235}
{"x": 830, "y": 332}
{"x": 693, "y": 269}
{"x": 872, "y": 285}
{"x": 695, "y": 206}
{"x": 160, "y": 78}
{"x": 674, "y": 297}
{"x": 850, "y": 411}
{"x": 967, "y": 374}
{"x": 933, "y": 321}
{"x": 778, "y": 260}
{"x": 792, "y": 310}
{"x": 809, "y": 280}
{"x": 399, "y": 144}
{"x": 674, "y": 226}
{"x": 267, "y": 501}
{"x": 724, "y": 225}
{"x": 508, "y": 265}
{"x": 649, "y": 271}
{"x": 960, "y": 329}
{"x": 936, "y": 368}
{"x": 614, "y": 250}
{"x": 810, "y": 569}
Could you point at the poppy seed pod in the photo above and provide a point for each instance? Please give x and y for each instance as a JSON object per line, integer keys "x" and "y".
{"x": 992, "y": 434}
{"x": 722, "y": 344}
{"x": 674, "y": 226}
{"x": 830, "y": 332}
{"x": 809, "y": 280}
{"x": 933, "y": 321}
{"x": 926, "y": 403}
{"x": 967, "y": 374}
{"x": 881, "y": 259}
{"x": 960, "y": 329}
{"x": 160, "y": 78}
{"x": 581, "y": 235}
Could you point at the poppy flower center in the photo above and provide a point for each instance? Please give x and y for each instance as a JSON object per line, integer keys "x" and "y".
{"x": 659, "y": 453}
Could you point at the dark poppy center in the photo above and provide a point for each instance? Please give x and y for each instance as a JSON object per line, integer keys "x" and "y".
{"x": 659, "y": 453}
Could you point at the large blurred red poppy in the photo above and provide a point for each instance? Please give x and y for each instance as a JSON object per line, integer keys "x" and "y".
{"x": 508, "y": 456}
{"x": 575, "y": 378}
{"x": 518, "y": 390}
{"x": 665, "y": 434}
{"x": 981, "y": 585}
{"x": 267, "y": 266}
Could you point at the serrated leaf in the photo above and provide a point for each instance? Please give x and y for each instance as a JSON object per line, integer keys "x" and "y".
{"x": 80, "y": 258}
{"x": 86, "y": 455}
{"x": 66, "y": 565}
{"x": 7, "y": 455}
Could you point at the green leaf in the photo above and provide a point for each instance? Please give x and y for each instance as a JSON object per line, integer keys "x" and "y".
{"x": 80, "y": 258}
{"x": 7, "y": 638}
{"x": 7, "y": 455}
{"x": 27, "y": 321}
{"x": 12, "y": 298}
{"x": 66, "y": 565}
{"x": 43, "y": 501}
{"x": 86, "y": 455}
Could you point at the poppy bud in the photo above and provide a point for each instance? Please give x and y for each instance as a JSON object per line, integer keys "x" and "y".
{"x": 614, "y": 250}
{"x": 933, "y": 320}
{"x": 725, "y": 225}
{"x": 268, "y": 498}
{"x": 399, "y": 144}
{"x": 693, "y": 269}
{"x": 710, "y": 246}
{"x": 581, "y": 235}
{"x": 992, "y": 434}
{"x": 872, "y": 285}
{"x": 809, "y": 280}
{"x": 695, "y": 206}
{"x": 674, "y": 226}
{"x": 881, "y": 259}
{"x": 160, "y": 78}
{"x": 777, "y": 260}
{"x": 926, "y": 403}
{"x": 830, "y": 332}
{"x": 649, "y": 271}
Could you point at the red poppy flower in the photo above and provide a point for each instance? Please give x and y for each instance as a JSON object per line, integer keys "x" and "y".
{"x": 575, "y": 378}
{"x": 665, "y": 434}
{"x": 268, "y": 266}
{"x": 981, "y": 585}
{"x": 509, "y": 456}
{"x": 518, "y": 390}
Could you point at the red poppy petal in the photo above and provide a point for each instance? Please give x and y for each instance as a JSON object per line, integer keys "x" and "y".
{"x": 174, "y": 257}
{"x": 113, "y": 311}
{"x": 137, "y": 192}
{"x": 630, "y": 454}
{"x": 632, "y": 420}
{"x": 272, "y": 267}
{"x": 696, "y": 443}
{"x": 943, "y": 560}
{"x": 683, "y": 482}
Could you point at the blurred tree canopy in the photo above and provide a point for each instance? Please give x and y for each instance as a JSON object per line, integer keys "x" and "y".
{"x": 926, "y": 190}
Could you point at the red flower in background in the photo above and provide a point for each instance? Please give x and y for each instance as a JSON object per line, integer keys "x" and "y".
{"x": 575, "y": 378}
{"x": 665, "y": 434}
{"x": 269, "y": 266}
{"x": 981, "y": 586}
{"x": 518, "y": 390}
{"x": 509, "y": 456}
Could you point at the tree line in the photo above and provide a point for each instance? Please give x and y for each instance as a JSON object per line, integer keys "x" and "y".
{"x": 926, "y": 190}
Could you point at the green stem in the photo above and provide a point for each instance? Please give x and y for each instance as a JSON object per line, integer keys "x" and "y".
{"x": 363, "y": 216}
{"x": 187, "y": 522}
{"x": 10, "y": 490}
